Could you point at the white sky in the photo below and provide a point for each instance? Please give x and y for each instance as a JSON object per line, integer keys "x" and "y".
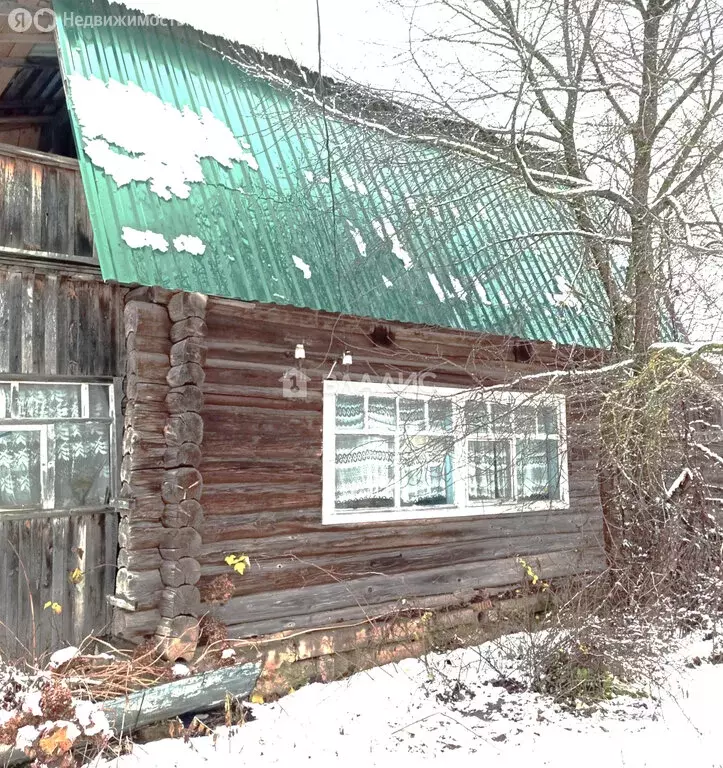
{"x": 365, "y": 40}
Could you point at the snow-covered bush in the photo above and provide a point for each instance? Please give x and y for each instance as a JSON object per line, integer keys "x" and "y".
{"x": 40, "y": 716}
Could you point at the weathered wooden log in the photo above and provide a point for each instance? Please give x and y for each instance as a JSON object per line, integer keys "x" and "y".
{"x": 140, "y": 559}
{"x": 148, "y": 366}
{"x": 176, "y": 573}
{"x": 180, "y": 484}
{"x": 146, "y": 319}
{"x": 187, "y": 373}
{"x": 186, "y": 398}
{"x": 191, "y": 350}
{"x": 184, "y": 428}
{"x": 187, "y": 514}
{"x": 138, "y": 585}
{"x": 178, "y": 637}
{"x": 190, "y": 694}
{"x": 180, "y": 601}
{"x": 152, "y": 294}
{"x": 180, "y": 542}
{"x": 184, "y": 455}
{"x": 193, "y": 326}
{"x": 183, "y": 305}
{"x": 140, "y": 534}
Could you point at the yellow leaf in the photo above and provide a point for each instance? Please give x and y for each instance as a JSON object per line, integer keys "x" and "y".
{"x": 57, "y": 743}
{"x": 56, "y": 608}
{"x": 257, "y": 698}
{"x": 76, "y": 576}
{"x": 238, "y": 562}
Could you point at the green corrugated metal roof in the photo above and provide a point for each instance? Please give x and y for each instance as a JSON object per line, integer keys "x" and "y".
{"x": 376, "y": 226}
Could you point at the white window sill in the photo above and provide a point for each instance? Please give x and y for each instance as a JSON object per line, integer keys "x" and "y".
{"x": 372, "y": 515}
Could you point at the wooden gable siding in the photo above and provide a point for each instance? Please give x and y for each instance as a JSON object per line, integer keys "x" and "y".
{"x": 60, "y": 324}
{"x": 43, "y": 209}
{"x": 262, "y": 476}
{"x": 57, "y": 324}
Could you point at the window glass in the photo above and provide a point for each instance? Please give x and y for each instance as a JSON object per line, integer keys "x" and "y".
{"x": 440, "y": 415}
{"x": 98, "y": 400}
{"x": 49, "y": 401}
{"x": 489, "y": 470}
{"x": 501, "y": 418}
{"x": 20, "y": 468}
{"x": 4, "y": 401}
{"x": 426, "y": 465}
{"x": 476, "y": 417}
{"x": 82, "y": 465}
{"x": 364, "y": 471}
{"x": 411, "y": 414}
{"x": 382, "y": 414}
{"x": 350, "y": 412}
{"x": 538, "y": 471}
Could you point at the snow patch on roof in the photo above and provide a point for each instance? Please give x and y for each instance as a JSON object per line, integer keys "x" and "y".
{"x": 135, "y": 238}
{"x": 503, "y": 297}
{"x": 378, "y": 228}
{"x": 135, "y": 136}
{"x": 351, "y": 185}
{"x": 190, "y": 244}
{"x": 437, "y": 287}
{"x": 565, "y": 296}
{"x": 459, "y": 290}
{"x": 303, "y": 266}
{"x": 387, "y": 281}
{"x": 358, "y": 239}
{"x": 386, "y": 194}
{"x": 397, "y": 249}
{"x": 309, "y": 176}
{"x": 481, "y": 292}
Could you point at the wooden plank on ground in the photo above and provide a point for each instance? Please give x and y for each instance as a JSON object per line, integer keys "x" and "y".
{"x": 191, "y": 694}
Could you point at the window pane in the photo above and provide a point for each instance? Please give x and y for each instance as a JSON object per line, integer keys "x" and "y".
{"x": 99, "y": 400}
{"x": 382, "y": 414}
{"x": 426, "y": 467}
{"x": 440, "y": 415}
{"x": 20, "y": 469}
{"x": 501, "y": 419}
{"x": 350, "y": 412}
{"x": 547, "y": 420}
{"x": 538, "y": 470}
{"x": 4, "y": 401}
{"x": 489, "y": 469}
{"x": 82, "y": 465}
{"x": 48, "y": 401}
{"x": 364, "y": 471}
{"x": 526, "y": 417}
{"x": 476, "y": 417}
{"x": 411, "y": 414}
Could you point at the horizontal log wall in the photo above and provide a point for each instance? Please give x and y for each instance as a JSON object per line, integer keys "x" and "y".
{"x": 262, "y": 473}
{"x": 57, "y": 324}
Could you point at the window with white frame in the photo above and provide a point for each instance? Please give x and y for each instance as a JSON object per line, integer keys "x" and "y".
{"x": 394, "y": 452}
{"x": 57, "y": 445}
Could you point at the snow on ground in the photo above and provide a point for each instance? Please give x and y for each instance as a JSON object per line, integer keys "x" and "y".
{"x": 446, "y": 708}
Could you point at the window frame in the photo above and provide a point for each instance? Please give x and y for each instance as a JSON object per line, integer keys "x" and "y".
{"x": 46, "y": 427}
{"x": 463, "y": 505}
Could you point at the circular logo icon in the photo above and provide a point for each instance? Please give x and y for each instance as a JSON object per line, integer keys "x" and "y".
{"x": 44, "y": 20}
{"x": 20, "y": 20}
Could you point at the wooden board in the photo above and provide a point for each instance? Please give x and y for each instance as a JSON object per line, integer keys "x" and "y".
{"x": 198, "y": 693}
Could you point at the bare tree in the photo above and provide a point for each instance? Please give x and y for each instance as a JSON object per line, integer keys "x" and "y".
{"x": 627, "y": 97}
